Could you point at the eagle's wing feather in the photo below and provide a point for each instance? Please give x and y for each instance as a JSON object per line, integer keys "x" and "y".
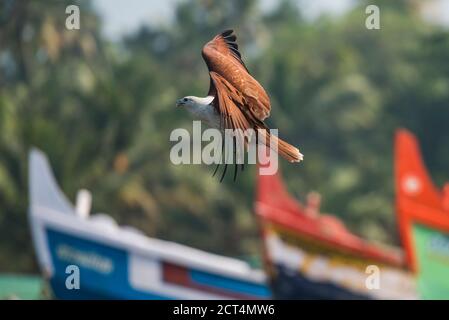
{"x": 240, "y": 100}
{"x": 222, "y": 57}
{"x": 229, "y": 103}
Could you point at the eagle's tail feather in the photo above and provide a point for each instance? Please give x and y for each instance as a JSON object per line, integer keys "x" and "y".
{"x": 286, "y": 150}
{"x": 289, "y": 152}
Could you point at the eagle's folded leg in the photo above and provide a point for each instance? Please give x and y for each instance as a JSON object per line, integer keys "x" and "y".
{"x": 224, "y": 172}
{"x": 218, "y": 165}
{"x": 236, "y": 167}
{"x": 216, "y": 169}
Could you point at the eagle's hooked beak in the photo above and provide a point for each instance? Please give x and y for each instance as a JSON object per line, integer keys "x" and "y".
{"x": 180, "y": 103}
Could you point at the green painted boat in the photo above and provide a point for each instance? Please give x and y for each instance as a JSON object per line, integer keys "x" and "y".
{"x": 15, "y": 286}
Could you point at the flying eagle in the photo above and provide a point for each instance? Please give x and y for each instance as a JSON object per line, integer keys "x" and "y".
{"x": 235, "y": 99}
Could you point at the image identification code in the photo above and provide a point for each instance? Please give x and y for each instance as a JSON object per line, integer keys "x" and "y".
{"x": 225, "y": 309}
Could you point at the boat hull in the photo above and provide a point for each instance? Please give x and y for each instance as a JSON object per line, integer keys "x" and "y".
{"x": 91, "y": 257}
{"x": 290, "y": 284}
{"x": 309, "y": 255}
{"x": 302, "y": 267}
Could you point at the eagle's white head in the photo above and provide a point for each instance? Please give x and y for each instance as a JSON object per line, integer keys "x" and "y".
{"x": 201, "y": 109}
{"x": 192, "y": 102}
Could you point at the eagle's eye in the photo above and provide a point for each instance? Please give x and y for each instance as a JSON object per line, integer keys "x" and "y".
{"x": 184, "y": 100}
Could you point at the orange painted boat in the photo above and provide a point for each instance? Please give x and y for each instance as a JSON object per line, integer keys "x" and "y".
{"x": 423, "y": 216}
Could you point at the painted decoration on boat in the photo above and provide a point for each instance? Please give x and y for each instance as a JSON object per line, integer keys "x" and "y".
{"x": 115, "y": 262}
{"x": 310, "y": 255}
{"x": 423, "y": 215}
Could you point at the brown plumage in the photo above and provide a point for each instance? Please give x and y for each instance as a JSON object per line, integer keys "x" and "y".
{"x": 239, "y": 99}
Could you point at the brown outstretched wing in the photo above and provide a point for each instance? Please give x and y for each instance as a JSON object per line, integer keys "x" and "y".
{"x": 241, "y": 101}
{"x": 223, "y": 58}
{"x": 229, "y": 103}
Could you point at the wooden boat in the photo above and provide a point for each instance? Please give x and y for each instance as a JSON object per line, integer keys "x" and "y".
{"x": 423, "y": 216}
{"x": 310, "y": 255}
{"x": 87, "y": 256}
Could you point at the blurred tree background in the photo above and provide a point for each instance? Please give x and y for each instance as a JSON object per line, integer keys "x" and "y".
{"x": 103, "y": 111}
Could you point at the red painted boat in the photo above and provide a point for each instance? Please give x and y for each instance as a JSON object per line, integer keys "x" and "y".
{"x": 313, "y": 255}
{"x": 310, "y": 255}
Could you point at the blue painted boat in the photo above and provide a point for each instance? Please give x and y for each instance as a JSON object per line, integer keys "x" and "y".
{"x": 87, "y": 256}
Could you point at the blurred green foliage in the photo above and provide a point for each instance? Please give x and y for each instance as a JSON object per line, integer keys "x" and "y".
{"x": 102, "y": 111}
